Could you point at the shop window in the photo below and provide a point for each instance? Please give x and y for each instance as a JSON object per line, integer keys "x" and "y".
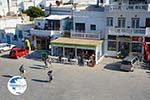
{"x": 111, "y": 37}
{"x": 147, "y": 39}
{"x": 112, "y": 45}
{"x": 137, "y": 47}
{"x": 93, "y": 27}
{"x": 137, "y": 38}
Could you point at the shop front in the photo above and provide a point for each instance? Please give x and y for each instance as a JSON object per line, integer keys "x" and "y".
{"x": 77, "y": 48}
{"x": 125, "y": 44}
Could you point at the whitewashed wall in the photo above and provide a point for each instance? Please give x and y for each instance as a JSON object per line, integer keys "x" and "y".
{"x": 90, "y": 17}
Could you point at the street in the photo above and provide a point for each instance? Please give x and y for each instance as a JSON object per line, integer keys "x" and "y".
{"x": 72, "y": 82}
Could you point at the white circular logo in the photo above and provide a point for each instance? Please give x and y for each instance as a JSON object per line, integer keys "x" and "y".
{"x": 17, "y": 85}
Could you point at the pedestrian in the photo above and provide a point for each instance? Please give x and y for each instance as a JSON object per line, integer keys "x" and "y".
{"x": 51, "y": 77}
{"x": 22, "y": 71}
{"x": 44, "y": 58}
{"x": 49, "y": 61}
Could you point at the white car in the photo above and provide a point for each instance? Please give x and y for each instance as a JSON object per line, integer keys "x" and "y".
{"x": 6, "y": 47}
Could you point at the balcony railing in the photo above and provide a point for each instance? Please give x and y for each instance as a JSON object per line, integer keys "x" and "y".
{"x": 38, "y": 32}
{"x": 83, "y": 35}
{"x": 129, "y": 7}
{"x": 127, "y": 31}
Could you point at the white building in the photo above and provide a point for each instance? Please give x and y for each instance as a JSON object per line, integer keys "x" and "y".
{"x": 8, "y": 28}
{"x": 89, "y": 23}
{"x": 128, "y": 23}
{"x": 23, "y": 31}
{"x": 48, "y": 28}
{"x": 8, "y": 6}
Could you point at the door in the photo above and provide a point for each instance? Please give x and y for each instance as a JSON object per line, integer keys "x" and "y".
{"x": 124, "y": 48}
{"x": 147, "y": 22}
{"x": 8, "y": 39}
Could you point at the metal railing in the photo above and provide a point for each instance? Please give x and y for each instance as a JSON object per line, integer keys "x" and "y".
{"x": 86, "y": 35}
{"x": 128, "y": 7}
{"x": 127, "y": 31}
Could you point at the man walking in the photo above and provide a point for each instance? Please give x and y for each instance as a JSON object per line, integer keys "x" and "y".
{"x": 51, "y": 77}
{"x": 22, "y": 71}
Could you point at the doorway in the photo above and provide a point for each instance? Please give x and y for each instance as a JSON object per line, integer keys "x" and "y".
{"x": 124, "y": 48}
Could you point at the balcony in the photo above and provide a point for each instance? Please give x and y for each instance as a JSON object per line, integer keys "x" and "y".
{"x": 129, "y": 7}
{"x": 83, "y": 35}
{"x": 127, "y": 31}
{"x": 45, "y": 33}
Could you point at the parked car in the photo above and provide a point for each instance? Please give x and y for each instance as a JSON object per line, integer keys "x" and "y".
{"x": 18, "y": 52}
{"x": 6, "y": 47}
{"x": 129, "y": 63}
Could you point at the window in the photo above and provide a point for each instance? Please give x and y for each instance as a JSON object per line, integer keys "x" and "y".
{"x": 20, "y": 34}
{"x": 121, "y": 22}
{"x": 53, "y": 25}
{"x": 93, "y": 27}
{"x": 135, "y": 22}
{"x": 15, "y": 37}
{"x": 80, "y": 27}
{"x": 39, "y": 23}
{"x": 137, "y": 47}
{"x": 109, "y": 21}
{"x": 0, "y": 3}
{"x": 111, "y": 37}
{"x": 3, "y": 37}
{"x": 112, "y": 45}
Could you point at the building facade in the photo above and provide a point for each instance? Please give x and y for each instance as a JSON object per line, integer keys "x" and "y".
{"x": 48, "y": 28}
{"x": 127, "y": 25}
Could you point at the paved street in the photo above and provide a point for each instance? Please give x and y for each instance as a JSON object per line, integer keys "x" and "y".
{"x": 72, "y": 82}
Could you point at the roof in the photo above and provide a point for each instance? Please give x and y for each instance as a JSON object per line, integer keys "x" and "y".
{"x": 57, "y": 17}
{"x": 90, "y": 7}
{"x": 76, "y": 42}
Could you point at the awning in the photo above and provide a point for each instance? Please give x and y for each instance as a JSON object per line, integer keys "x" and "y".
{"x": 76, "y": 42}
{"x": 57, "y": 17}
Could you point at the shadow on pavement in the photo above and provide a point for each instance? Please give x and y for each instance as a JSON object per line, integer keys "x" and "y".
{"x": 36, "y": 68}
{"x": 39, "y": 65}
{"x": 36, "y": 55}
{"x": 113, "y": 66}
{"x": 5, "y": 56}
{"x": 8, "y": 76}
{"x": 37, "y": 80}
{"x": 145, "y": 65}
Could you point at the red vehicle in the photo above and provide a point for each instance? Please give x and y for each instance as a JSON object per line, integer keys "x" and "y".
{"x": 18, "y": 52}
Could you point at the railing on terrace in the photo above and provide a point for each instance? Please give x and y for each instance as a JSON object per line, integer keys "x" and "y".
{"x": 127, "y": 31}
{"x": 44, "y": 32}
{"x": 86, "y": 35}
{"x": 129, "y": 7}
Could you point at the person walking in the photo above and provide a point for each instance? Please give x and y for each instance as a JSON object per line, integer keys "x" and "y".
{"x": 49, "y": 61}
{"x": 22, "y": 71}
{"x": 44, "y": 58}
{"x": 51, "y": 77}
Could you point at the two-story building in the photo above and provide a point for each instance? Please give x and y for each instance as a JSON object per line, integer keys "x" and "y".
{"x": 127, "y": 25}
{"x": 47, "y": 29}
{"x": 85, "y": 38}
